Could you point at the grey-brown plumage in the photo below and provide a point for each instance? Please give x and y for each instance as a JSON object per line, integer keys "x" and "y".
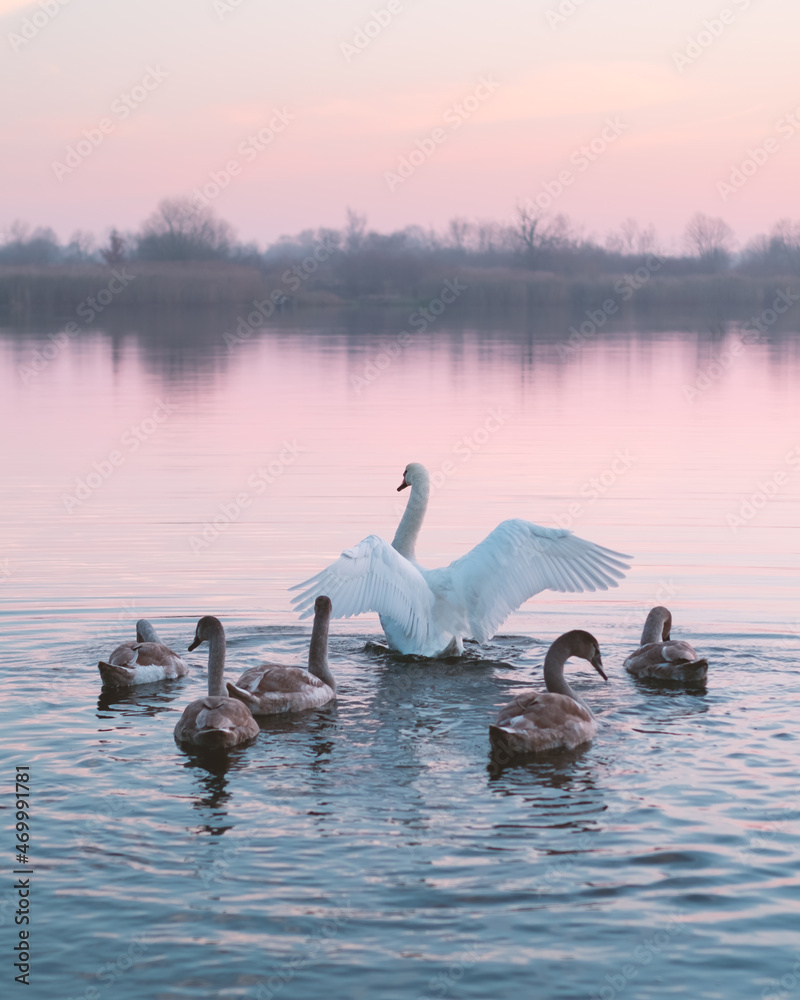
{"x": 141, "y": 662}
{"x": 556, "y": 718}
{"x": 661, "y": 658}
{"x": 272, "y": 689}
{"x": 215, "y": 721}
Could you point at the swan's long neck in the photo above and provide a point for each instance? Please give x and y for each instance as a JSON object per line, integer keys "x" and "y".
{"x": 657, "y": 626}
{"x": 216, "y": 663}
{"x": 405, "y": 538}
{"x": 318, "y": 650}
{"x": 554, "y": 679}
{"x": 145, "y": 632}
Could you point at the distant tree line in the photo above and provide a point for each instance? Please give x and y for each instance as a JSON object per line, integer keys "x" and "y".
{"x": 360, "y": 261}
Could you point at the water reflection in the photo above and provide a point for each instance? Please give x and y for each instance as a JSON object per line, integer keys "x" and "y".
{"x": 147, "y": 699}
{"x": 210, "y": 770}
{"x": 554, "y": 769}
{"x": 184, "y": 344}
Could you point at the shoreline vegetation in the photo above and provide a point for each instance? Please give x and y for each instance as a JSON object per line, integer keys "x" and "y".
{"x": 86, "y": 290}
{"x": 184, "y": 256}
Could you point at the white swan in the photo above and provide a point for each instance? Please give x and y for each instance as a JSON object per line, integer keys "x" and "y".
{"x": 557, "y": 718}
{"x": 662, "y": 658}
{"x": 215, "y": 721}
{"x": 142, "y": 662}
{"x": 272, "y": 689}
{"x": 430, "y": 612}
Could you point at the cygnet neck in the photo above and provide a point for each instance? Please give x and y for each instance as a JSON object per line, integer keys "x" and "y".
{"x": 657, "y": 627}
{"x": 554, "y": 679}
{"x": 318, "y": 649}
{"x": 145, "y": 632}
{"x": 216, "y": 661}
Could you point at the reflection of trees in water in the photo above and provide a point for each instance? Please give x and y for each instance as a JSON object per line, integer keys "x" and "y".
{"x": 529, "y": 321}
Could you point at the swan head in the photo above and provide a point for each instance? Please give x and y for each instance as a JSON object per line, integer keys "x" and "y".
{"x": 414, "y": 475}
{"x": 585, "y": 645}
{"x": 207, "y": 627}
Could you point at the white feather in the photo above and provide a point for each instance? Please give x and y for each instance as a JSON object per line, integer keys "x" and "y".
{"x": 429, "y": 612}
{"x": 149, "y": 674}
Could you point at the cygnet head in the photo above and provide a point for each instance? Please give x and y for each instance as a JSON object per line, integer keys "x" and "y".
{"x": 323, "y": 606}
{"x": 206, "y": 628}
{"x": 585, "y": 645}
{"x": 414, "y": 475}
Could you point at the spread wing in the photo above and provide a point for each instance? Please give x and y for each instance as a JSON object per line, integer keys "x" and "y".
{"x": 372, "y": 576}
{"x": 519, "y": 559}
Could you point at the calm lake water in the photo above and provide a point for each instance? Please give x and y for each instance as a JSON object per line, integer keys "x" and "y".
{"x": 370, "y": 849}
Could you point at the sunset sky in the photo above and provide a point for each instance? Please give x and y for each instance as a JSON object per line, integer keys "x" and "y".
{"x": 675, "y": 95}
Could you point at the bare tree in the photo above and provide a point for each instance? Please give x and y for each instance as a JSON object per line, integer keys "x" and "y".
{"x": 709, "y": 238}
{"x": 458, "y": 231}
{"x": 785, "y": 237}
{"x": 354, "y": 231}
{"x": 632, "y": 239}
{"x": 114, "y": 253}
{"x": 488, "y": 236}
{"x": 528, "y": 228}
{"x": 179, "y": 229}
{"x": 81, "y": 246}
{"x": 21, "y": 245}
{"x": 535, "y": 234}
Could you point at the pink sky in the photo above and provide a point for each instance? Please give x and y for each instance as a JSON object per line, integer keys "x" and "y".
{"x": 350, "y": 115}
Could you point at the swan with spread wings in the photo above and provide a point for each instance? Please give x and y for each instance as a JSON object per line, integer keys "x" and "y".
{"x": 429, "y": 612}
